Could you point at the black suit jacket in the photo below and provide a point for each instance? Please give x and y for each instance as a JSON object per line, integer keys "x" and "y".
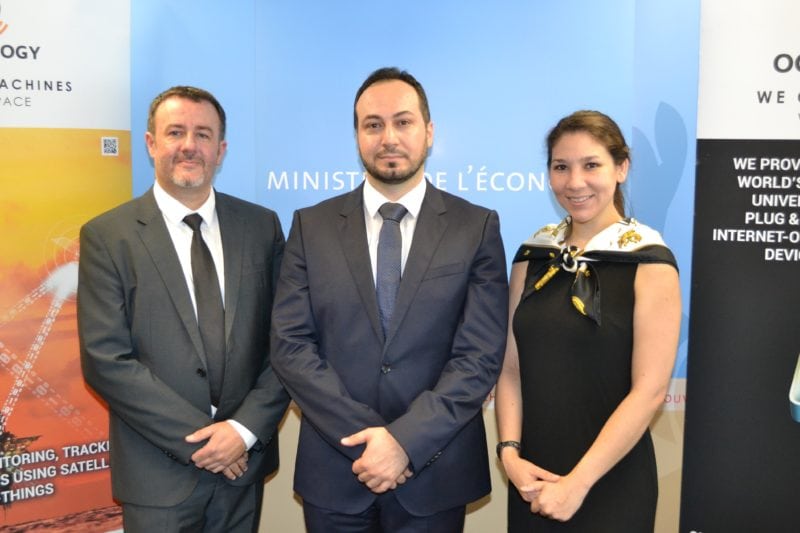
{"x": 426, "y": 382}
{"x": 141, "y": 349}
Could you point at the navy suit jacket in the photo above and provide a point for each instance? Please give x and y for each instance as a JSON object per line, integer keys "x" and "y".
{"x": 426, "y": 381}
{"x": 141, "y": 349}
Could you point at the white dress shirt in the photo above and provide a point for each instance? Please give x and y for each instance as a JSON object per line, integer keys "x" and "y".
{"x": 373, "y": 200}
{"x": 181, "y": 234}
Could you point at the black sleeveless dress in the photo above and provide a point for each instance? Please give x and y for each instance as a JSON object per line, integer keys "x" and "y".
{"x": 574, "y": 373}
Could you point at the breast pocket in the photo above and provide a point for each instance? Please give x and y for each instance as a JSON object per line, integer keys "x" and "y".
{"x": 255, "y": 274}
{"x": 444, "y": 270}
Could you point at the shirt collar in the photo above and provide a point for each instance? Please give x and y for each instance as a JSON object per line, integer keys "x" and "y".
{"x": 174, "y": 211}
{"x": 412, "y": 200}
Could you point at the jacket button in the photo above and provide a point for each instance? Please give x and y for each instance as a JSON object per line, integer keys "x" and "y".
{"x": 385, "y": 369}
{"x": 200, "y": 372}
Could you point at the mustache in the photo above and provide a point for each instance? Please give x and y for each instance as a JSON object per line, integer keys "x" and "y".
{"x": 383, "y": 153}
{"x": 189, "y": 159}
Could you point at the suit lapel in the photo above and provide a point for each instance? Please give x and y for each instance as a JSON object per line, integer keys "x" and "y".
{"x": 155, "y": 238}
{"x": 428, "y": 232}
{"x": 231, "y": 228}
{"x": 353, "y": 235}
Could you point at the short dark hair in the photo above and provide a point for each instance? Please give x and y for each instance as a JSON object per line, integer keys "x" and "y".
{"x": 388, "y": 74}
{"x": 604, "y": 130}
{"x": 190, "y": 93}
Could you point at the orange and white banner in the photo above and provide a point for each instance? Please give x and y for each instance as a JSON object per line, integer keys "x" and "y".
{"x": 64, "y": 157}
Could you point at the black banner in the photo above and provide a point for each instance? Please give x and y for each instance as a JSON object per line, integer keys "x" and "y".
{"x": 742, "y": 446}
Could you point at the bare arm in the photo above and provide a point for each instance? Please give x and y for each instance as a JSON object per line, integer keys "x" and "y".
{"x": 508, "y": 400}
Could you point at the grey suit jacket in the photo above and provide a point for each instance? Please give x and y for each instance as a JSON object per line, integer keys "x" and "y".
{"x": 425, "y": 382}
{"x": 141, "y": 349}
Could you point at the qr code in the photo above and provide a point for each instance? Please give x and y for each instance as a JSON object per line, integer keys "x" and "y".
{"x": 109, "y": 145}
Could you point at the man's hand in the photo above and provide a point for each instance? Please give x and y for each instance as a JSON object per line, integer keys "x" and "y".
{"x": 384, "y": 463}
{"x": 237, "y": 468}
{"x": 224, "y": 447}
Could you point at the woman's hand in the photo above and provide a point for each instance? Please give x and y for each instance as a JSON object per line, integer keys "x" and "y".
{"x": 523, "y": 474}
{"x": 558, "y": 500}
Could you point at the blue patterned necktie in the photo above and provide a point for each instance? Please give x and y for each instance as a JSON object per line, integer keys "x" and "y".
{"x": 210, "y": 312}
{"x": 390, "y": 245}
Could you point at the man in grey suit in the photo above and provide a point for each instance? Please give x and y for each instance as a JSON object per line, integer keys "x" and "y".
{"x": 391, "y": 380}
{"x": 194, "y": 409}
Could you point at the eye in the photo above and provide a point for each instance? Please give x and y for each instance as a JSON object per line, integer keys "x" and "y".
{"x": 558, "y": 167}
{"x": 372, "y": 125}
{"x": 592, "y": 165}
{"x": 404, "y": 122}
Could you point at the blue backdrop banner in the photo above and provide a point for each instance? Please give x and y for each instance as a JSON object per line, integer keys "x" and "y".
{"x": 497, "y": 77}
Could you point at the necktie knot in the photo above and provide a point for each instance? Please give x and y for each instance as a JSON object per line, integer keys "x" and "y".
{"x": 392, "y": 211}
{"x": 193, "y": 221}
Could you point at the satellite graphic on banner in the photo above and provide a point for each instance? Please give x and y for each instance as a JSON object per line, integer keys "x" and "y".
{"x": 65, "y": 133}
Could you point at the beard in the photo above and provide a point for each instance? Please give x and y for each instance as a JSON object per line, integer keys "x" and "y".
{"x": 392, "y": 175}
{"x": 189, "y": 182}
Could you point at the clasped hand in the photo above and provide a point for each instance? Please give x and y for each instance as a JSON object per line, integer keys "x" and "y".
{"x": 556, "y": 497}
{"x": 550, "y": 495}
{"x": 559, "y": 499}
{"x": 224, "y": 450}
{"x": 384, "y": 464}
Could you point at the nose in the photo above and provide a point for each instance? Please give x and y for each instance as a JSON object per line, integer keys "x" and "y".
{"x": 189, "y": 143}
{"x": 389, "y": 136}
{"x": 575, "y": 178}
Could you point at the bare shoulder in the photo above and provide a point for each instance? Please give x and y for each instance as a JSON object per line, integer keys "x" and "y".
{"x": 657, "y": 282}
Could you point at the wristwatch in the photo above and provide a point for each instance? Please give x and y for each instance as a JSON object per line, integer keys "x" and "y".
{"x": 506, "y": 444}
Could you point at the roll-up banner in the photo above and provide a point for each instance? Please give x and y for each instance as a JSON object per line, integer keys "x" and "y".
{"x": 742, "y": 435}
{"x": 65, "y": 157}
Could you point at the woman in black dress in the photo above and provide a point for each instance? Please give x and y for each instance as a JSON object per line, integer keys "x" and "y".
{"x": 595, "y": 306}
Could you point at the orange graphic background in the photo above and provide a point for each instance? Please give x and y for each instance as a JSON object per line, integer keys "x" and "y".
{"x": 51, "y": 182}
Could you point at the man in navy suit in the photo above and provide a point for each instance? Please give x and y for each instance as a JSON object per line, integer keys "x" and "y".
{"x": 392, "y": 435}
{"x": 193, "y": 424}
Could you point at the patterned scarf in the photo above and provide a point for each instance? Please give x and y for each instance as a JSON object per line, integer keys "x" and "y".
{"x": 626, "y": 241}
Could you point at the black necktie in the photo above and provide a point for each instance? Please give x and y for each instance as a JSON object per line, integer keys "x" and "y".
{"x": 210, "y": 312}
{"x": 390, "y": 245}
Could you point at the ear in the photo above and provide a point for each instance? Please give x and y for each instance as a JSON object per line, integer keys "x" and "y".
{"x": 150, "y": 141}
{"x": 223, "y": 148}
{"x": 622, "y": 171}
{"x": 429, "y": 134}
